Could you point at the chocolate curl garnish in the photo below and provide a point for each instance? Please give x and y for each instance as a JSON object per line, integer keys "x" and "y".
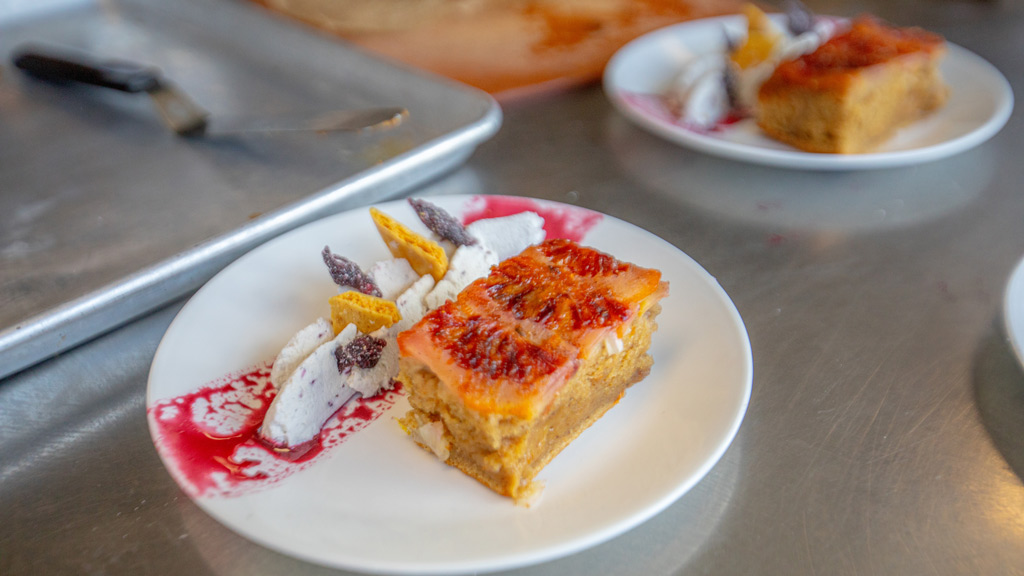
{"x": 345, "y": 272}
{"x": 798, "y": 18}
{"x": 441, "y": 223}
{"x": 364, "y": 351}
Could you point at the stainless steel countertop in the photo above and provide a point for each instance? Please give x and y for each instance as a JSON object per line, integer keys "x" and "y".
{"x": 885, "y": 433}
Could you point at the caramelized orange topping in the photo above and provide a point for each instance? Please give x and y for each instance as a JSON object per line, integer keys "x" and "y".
{"x": 485, "y": 344}
{"x": 553, "y": 296}
{"x": 868, "y": 42}
{"x": 581, "y": 261}
{"x": 510, "y": 340}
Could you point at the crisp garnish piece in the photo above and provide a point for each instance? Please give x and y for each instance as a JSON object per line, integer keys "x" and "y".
{"x": 762, "y": 39}
{"x": 364, "y": 351}
{"x": 442, "y": 223}
{"x": 367, "y": 312}
{"x": 425, "y": 255}
{"x": 345, "y": 272}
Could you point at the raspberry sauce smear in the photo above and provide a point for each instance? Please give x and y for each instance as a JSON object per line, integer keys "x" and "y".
{"x": 210, "y": 437}
{"x": 560, "y": 221}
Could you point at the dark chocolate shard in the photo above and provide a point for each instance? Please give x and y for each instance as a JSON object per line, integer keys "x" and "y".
{"x": 442, "y": 223}
{"x": 363, "y": 351}
{"x": 345, "y": 272}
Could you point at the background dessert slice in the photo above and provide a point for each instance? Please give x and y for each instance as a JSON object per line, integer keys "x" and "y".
{"x": 853, "y": 92}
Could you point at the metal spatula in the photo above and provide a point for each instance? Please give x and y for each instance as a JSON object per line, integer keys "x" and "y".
{"x": 178, "y": 111}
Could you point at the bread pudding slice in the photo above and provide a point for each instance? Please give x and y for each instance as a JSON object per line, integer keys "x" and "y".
{"x": 853, "y": 92}
{"x": 506, "y": 376}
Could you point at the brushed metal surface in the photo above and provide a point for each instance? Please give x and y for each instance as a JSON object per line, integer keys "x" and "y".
{"x": 106, "y": 213}
{"x": 885, "y": 433}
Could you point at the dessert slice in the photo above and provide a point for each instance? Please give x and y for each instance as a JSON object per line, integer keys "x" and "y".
{"x": 503, "y": 378}
{"x": 853, "y": 92}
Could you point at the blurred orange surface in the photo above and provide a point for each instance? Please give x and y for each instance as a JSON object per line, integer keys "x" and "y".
{"x": 506, "y": 47}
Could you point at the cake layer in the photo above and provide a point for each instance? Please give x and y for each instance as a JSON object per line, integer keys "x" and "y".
{"x": 505, "y": 453}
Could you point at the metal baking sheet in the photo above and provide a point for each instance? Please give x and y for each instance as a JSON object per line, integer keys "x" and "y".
{"x": 105, "y": 214}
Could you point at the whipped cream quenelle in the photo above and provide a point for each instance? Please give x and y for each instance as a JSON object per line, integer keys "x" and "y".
{"x": 714, "y": 87}
{"x": 317, "y": 372}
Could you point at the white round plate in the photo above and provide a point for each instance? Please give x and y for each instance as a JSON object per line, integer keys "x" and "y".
{"x": 979, "y": 104}
{"x": 377, "y": 502}
{"x": 1013, "y": 310}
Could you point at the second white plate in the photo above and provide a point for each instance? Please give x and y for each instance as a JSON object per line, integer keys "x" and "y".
{"x": 979, "y": 105}
{"x": 1013, "y": 310}
{"x": 376, "y": 502}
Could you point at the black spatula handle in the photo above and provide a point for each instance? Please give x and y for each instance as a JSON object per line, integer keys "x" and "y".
{"x": 65, "y": 65}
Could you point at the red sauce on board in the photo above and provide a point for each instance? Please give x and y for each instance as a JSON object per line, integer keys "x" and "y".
{"x": 567, "y": 222}
{"x": 510, "y": 48}
{"x": 210, "y": 437}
